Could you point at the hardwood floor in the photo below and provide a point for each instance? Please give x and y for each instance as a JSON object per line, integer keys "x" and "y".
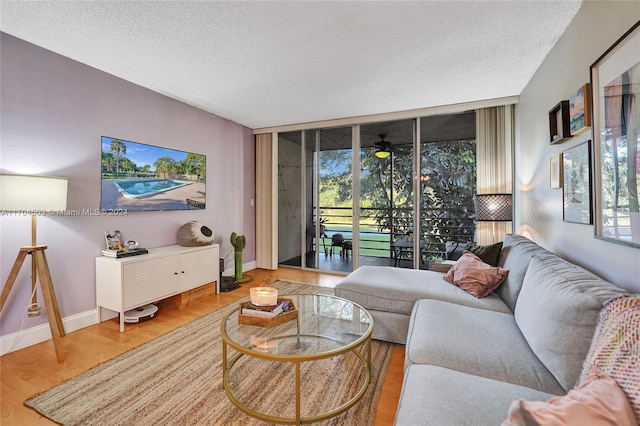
{"x": 31, "y": 370}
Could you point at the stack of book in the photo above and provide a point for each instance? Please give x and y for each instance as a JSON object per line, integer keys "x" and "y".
{"x": 266, "y": 311}
{"x": 124, "y": 253}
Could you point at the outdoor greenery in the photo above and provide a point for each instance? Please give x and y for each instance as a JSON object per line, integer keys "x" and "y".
{"x": 620, "y": 184}
{"x": 447, "y": 176}
{"x": 115, "y": 165}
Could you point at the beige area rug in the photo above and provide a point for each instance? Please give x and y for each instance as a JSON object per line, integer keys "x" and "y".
{"x": 176, "y": 379}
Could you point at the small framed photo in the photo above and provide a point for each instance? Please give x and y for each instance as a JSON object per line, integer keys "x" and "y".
{"x": 576, "y": 184}
{"x": 559, "y": 130}
{"x": 555, "y": 171}
{"x": 580, "y": 110}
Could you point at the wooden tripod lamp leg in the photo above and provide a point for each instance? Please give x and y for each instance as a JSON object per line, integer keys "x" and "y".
{"x": 39, "y": 259}
{"x": 34, "y": 309}
{"x": 50, "y": 301}
{"x": 12, "y": 277}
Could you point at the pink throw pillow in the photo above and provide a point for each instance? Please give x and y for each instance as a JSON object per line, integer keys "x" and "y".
{"x": 474, "y": 276}
{"x": 598, "y": 401}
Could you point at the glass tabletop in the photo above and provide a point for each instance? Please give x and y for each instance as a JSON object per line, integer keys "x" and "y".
{"x": 324, "y": 324}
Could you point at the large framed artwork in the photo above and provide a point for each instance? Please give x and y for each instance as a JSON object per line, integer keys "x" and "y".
{"x": 615, "y": 82}
{"x": 576, "y": 184}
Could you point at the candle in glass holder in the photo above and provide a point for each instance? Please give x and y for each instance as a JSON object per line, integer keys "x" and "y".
{"x": 263, "y": 296}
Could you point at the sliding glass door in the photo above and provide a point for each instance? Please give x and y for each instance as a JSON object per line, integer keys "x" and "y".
{"x": 414, "y": 183}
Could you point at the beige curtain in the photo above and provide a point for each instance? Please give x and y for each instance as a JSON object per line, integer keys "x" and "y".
{"x": 266, "y": 201}
{"x": 494, "y": 145}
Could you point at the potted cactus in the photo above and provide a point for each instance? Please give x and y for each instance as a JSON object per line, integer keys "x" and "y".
{"x": 239, "y": 242}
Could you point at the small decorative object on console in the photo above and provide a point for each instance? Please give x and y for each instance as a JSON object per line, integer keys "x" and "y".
{"x": 193, "y": 234}
{"x": 115, "y": 247}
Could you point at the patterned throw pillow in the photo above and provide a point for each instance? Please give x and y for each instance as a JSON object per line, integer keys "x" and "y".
{"x": 615, "y": 349}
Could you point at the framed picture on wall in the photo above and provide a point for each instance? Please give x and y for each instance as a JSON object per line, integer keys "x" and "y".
{"x": 580, "y": 110}
{"x": 615, "y": 81}
{"x": 576, "y": 184}
{"x": 555, "y": 171}
{"x": 559, "y": 129}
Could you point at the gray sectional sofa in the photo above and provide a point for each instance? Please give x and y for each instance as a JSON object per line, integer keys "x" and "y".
{"x": 467, "y": 359}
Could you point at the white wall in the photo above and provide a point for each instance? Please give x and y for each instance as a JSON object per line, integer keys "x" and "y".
{"x": 539, "y": 209}
{"x": 54, "y": 111}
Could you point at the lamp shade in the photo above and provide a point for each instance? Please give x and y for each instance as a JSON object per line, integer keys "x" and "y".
{"x": 493, "y": 207}
{"x": 43, "y": 193}
{"x": 382, "y": 153}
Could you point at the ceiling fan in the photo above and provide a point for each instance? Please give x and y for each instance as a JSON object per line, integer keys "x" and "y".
{"x": 384, "y": 147}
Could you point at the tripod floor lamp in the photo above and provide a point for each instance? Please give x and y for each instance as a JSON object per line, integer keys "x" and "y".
{"x": 35, "y": 195}
{"x": 493, "y": 208}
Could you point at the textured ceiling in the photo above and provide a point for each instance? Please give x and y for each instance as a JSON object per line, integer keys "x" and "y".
{"x": 267, "y": 63}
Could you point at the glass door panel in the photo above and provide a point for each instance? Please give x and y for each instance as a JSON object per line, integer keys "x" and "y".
{"x": 290, "y": 217}
{"x": 386, "y": 194}
{"x": 447, "y": 181}
{"x": 334, "y": 198}
{"x": 315, "y": 232}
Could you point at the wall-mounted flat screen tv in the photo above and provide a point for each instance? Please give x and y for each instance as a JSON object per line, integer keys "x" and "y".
{"x": 137, "y": 176}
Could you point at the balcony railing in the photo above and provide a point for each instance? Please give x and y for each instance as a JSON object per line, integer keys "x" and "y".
{"x": 381, "y": 227}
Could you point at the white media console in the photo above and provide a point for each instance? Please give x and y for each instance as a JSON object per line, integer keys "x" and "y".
{"x": 130, "y": 282}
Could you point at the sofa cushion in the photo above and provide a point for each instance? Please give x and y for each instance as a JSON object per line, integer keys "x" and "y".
{"x": 615, "y": 348}
{"x": 438, "y": 396}
{"x": 489, "y": 254}
{"x": 598, "y": 401}
{"x": 389, "y": 326}
{"x": 474, "y": 341}
{"x": 557, "y": 312}
{"x": 515, "y": 256}
{"x": 384, "y": 288}
{"x": 475, "y": 276}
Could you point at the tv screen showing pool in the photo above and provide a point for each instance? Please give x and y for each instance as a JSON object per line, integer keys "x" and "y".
{"x": 137, "y": 176}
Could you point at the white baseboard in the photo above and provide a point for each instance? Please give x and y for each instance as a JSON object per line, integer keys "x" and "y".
{"x": 230, "y": 272}
{"x": 42, "y": 333}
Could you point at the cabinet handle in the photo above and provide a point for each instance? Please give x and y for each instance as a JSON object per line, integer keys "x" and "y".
{"x": 175, "y": 273}
{"x": 182, "y": 272}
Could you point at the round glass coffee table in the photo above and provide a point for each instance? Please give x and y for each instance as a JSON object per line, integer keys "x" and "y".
{"x": 325, "y": 327}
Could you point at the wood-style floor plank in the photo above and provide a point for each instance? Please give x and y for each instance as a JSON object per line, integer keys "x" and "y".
{"x": 31, "y": 370}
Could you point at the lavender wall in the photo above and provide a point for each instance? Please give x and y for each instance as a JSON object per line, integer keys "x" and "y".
{"x": 54, "y": 111}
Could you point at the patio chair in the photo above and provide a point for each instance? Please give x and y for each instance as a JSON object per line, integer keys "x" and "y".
{"x": 336, "y": 241}
{"x": 311, "y": 237}
{"x": 347, "y": 247}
